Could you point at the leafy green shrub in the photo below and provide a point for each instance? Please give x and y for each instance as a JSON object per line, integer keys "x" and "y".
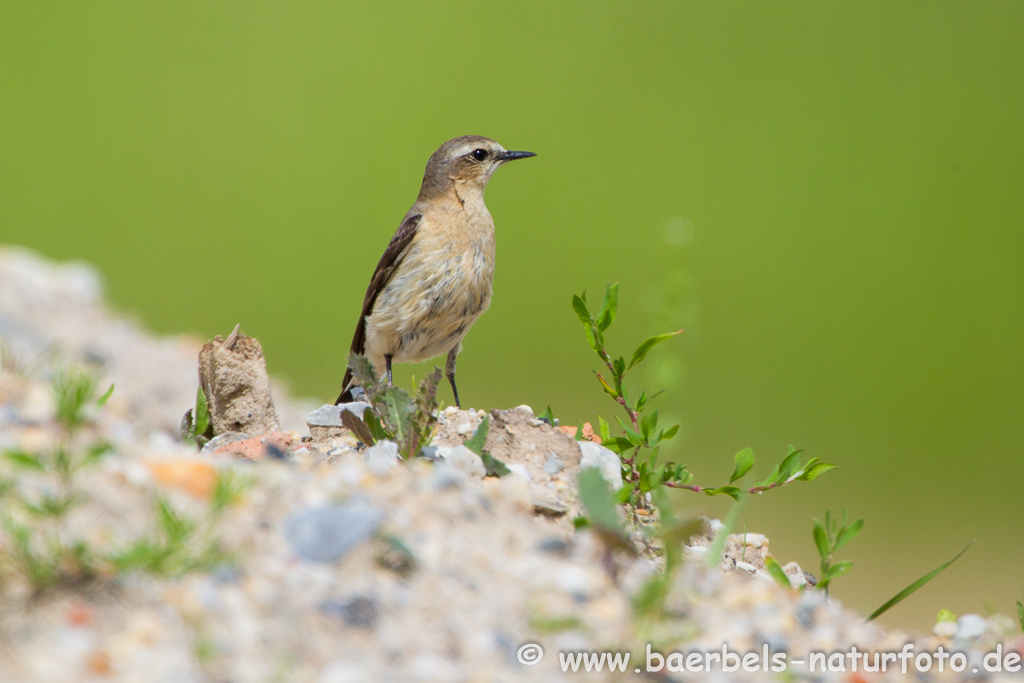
{"x": 639, "y": 444}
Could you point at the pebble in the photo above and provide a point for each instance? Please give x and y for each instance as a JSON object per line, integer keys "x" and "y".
{"x": 327, "y": 533}
{"x": 466, "y": 461}
{"x": 596, "y": 455}
{"x": 525, "y": 409}
{"x": 359, "y": 612}
{"x": 553, "y": 465}
{"x": 519, "y": 470}
{"x": 464, "y": 428}
{"x": 381, "y": 457}
{"x": 329, "y": 415}
{"x": 222, "y": 440}
{"x": 970, "y": 626}
{"x": 945, "y": 629}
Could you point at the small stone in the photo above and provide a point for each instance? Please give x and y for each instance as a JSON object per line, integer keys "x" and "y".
{"x": 447, "y": 476}
{"x": 450, "y": 410}
{"x": 518, "y": 469}
{"x": 222, "y": 440}
{"x": 466, "y": 461}
{"x": 359, "y": 612}
{"x": 537, "y": 423}
{"x": 549, "y": 508}
{"x": 596, "y": 455}
{"x": 381, "y": 457}
{"x": 553, "y": 465}
{"x": 524, "y": 409}
{"x": 465, "y": 428}
{"x": 327, "y": 533}
{"x": 970, "y": 626}
{"x": 747, "y": 567}
{"x": 329, "y": 415}
{"x": 945, "y": 629}
{"x": 554, "y": 546}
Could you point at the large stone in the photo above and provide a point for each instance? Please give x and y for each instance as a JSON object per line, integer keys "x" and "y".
{"x": 608, "y": 462}
{"x": 234, "y": 378}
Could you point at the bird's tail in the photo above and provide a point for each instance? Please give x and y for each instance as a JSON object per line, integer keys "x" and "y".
{"x": 358, "y": 346}
{"x": 346, "y": 392}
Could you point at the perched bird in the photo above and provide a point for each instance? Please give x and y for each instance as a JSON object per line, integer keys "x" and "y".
{"x": 434, "y": 279}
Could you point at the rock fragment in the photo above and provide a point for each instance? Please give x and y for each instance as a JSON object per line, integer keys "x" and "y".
{"x": 234, "y": 378}
{"x": 329, "y": 532}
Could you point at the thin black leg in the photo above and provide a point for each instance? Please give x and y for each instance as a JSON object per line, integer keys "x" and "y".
{"x": 387, "y": 359}
{"x": 449, "y": 371}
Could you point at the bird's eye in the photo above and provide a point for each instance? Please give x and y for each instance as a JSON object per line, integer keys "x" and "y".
{"x": 479, "y": 154}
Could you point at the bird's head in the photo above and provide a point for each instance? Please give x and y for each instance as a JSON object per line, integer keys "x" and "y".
{"x": 468, "y": 162}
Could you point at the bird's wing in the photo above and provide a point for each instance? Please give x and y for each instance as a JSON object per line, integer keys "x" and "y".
{"x": 394, "y": 253}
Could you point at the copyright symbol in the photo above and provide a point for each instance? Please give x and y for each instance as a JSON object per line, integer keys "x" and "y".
{"x": 530, "y": 654}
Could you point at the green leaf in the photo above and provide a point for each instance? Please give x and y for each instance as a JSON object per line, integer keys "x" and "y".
{"x": 789, "y": 464}
{"x": 730, "y": 491}
{"x": 1020, "y": 615}
{"x": 579, "y": 431}
{"x": 202, "y": 414}
{"x": 777, "y": 573}
{"x": 358, "y": 428}
{"x": 476, "y": 442}
{"x": 816, "y": 470}
{"x": 944, "y": 616}
{"x": 591, "y": 337}
{"x": 597, "y": 499}
{"x": 607, "y": 387}
{"x": 821, "y": 540}
{"x": 848, "y": 533}
{"x": 547, "y": 416}
{"x": 642, "y": 350}
{"x": 669, "y": 433}
{"x": 582, "y": 312}
{"x": 744, "y": 461}
{"x": 714, "y": 556}
{"x": 493, "y": 466}
{"x": 377, "y": 430}
{"x": 609, "y": 306}
{"x": 641, "y": 402}
{"x": 838, "y": 569}
{"x": 25, "y": 460}
{"x": 101, "y": 401}
{"x": 770, "y": 479}
{"x": 633, "y": 437}
{"x": 648, "y": 424}
{"x": 912, "y": 588}
{"x": 96, "y": 453}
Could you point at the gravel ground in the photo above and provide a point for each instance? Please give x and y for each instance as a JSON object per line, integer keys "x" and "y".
{"x": 340, "y": 564}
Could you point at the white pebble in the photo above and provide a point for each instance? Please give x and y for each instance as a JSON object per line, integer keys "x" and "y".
{"x": 465, "y": 428}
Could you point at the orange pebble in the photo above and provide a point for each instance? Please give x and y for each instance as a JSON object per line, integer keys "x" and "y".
{"x": 192, "y": 476}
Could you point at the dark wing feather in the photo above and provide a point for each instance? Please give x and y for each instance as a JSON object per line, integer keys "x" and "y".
{"x": 394, "y": 253}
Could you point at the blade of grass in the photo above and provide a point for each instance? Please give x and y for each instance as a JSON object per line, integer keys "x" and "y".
{"x": 903, "y": 594}
{"x": 715, "y": 552}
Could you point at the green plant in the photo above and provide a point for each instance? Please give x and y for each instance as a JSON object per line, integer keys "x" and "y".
{"x": 493, "y": 467}
{"x": 36, "y": 541}
{"x": 915, "y": 586}
{"x": 394, "y": 415}
{"x": 196, "y": 426}
{"x": 641, "y": 439}
{"x": 1020, "y": 615}
{"x": 38, "y": 544}
{"x": 828, "y": 539}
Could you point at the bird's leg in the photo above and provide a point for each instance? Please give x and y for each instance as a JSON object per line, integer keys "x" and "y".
{"x": 387, "y": 360}
{"x": 449, "y": 371}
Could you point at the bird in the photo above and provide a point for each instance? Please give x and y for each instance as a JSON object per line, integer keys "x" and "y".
{"x": 434, "y": 279}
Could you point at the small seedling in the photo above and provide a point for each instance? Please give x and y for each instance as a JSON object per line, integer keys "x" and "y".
{"x": 394, "y": 415}
{"x": 1020, "y": 615}
{"x": 828, "y": 539}
{"x": 196, "y": 426}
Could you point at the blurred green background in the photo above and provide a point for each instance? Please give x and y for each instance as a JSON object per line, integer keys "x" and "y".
{"x": 828, "y": 196}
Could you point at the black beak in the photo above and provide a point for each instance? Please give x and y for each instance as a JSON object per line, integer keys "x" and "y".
{"x": 512, "y": 156}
